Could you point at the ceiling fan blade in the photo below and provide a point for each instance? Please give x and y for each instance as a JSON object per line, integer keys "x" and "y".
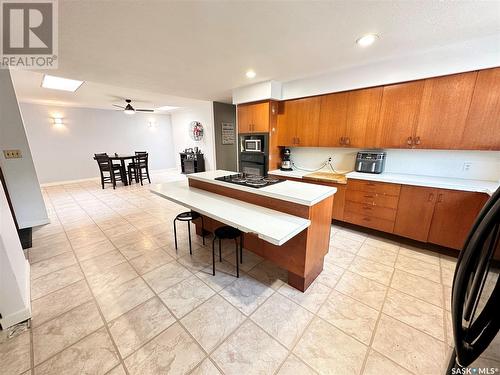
{"x": 119, "y": 106}
{"x": 144, "y": 110}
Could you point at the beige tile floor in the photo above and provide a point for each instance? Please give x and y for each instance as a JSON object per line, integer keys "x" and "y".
{"x": 111, "y": 296}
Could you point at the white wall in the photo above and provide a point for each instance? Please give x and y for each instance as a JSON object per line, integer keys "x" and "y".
{"x": 485, "y": 165}
{"x": 20, "y": 175}
{"x": 14, "y": 271}
{"x": 65, "y": 153}
{"x": 202, "y": 112}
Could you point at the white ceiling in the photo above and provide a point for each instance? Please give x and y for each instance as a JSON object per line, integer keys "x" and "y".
{"x": 90, "y": 95}
{"x": 202, "y": 49}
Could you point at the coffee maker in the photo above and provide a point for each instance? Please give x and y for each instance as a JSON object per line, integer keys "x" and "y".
{"x": 286, "y": 163}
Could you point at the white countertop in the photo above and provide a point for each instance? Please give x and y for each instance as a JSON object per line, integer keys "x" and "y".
{"x": 290, "y": 191}
{"x": 479, "y": 186}
{"x": 270, "y": 225}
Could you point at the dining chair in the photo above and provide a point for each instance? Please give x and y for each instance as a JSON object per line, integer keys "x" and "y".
{"x": 109, "y": 172}
{"x": 137, "y": 166}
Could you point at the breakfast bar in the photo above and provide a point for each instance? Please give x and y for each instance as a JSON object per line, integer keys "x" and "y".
{"x": 287, "y": 223}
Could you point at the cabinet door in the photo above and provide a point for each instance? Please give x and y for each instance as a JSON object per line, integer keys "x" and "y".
{"x": 414, "y": 214}
{"x": 260, "y": 117}
{"x": 339, "y": 202}
{"x": 307, "y": 121}
{"x": 298, "y": 124}
{"x": 286, "y": 124}
{"x": 332, "y": 120}
{"x": 399, "y": 114}
{"x": 482, "y": 129}
{"x": 454, "y": 215}
{"x": 443, "y": 111}
{"x": 244, "y": 118}
{"x": 363, "y": 108}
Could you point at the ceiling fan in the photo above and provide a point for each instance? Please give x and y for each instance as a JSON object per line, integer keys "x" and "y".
{"x": 129, "y": 110}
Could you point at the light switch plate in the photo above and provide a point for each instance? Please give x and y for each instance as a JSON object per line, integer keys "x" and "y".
{"x": 12, "y": 154}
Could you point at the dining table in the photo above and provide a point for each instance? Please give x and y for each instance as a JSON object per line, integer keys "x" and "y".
{"x": 122, "y": 158}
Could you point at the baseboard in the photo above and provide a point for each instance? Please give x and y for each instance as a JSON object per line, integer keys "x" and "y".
{"x": 67, "y": 182}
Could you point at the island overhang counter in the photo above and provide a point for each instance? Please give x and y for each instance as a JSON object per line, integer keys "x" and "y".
{"x": 287, "y": 223}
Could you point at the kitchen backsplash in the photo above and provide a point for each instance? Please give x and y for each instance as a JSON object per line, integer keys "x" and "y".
{"x": 477, "y": 165}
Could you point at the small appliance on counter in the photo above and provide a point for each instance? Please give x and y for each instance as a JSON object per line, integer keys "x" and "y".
{"x": 286, "y": 163}
{"x": 370, "y": 162}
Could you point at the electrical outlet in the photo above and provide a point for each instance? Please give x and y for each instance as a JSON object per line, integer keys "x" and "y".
{"x": 12, "y": 154}
{"x": 467, "y": 166}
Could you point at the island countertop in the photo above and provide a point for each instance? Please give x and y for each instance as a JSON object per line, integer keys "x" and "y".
{"x": 290, "y": 191}
{"x": 272, "y": 226}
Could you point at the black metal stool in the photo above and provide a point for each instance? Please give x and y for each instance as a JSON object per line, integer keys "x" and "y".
{"x": 228, "y": 233}
{"x": 189, "y": 216}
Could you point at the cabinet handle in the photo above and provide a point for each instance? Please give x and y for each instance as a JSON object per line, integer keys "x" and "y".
{"x": 347, "y": 141}
{"x": 417, "y": 140}
{"x": 409, "y": 141}
{"x": 431, "y": 197}
{"x": 440, "y": 198}
{"x": 369, "y": 196}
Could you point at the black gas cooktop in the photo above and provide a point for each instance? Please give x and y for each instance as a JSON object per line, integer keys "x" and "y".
{"x": 250, "y": 180}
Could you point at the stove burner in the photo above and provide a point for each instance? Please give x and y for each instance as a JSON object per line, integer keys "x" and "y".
{"x": 238, "y": 179}
{"x": 271, "y": 180}
{"x": 256, "y": 183}
{"x": 250, "y": 180}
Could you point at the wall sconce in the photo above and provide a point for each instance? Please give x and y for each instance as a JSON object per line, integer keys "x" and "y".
{"x": 58, "y": 122}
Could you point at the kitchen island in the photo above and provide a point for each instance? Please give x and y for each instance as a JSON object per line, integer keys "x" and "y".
{"x": 287, "y": 223}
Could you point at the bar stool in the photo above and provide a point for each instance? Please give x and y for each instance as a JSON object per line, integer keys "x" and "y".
{"x": 228, "y": 233}
{"x": 189, "y": 216}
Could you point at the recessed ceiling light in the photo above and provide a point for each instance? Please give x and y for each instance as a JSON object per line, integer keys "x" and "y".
{"x": 166, "y": 108}
{"x": 59, "y": 83}
{"x": 250, "y": 74}
{"x": 367, "y": 40}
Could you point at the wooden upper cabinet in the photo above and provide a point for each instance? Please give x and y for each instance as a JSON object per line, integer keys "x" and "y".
{"x": 253, "y": 118}
{"x": 332, "y": 120}
{"x": 454, "y": 214}
{"x": 443, "y": 111}
{"x": 298, "y": 122}
{"x": 399, "y": 114}
{"x": 363, "y": 108}
{"x": 414, "y": 214}
{"x": 482, "y": 130}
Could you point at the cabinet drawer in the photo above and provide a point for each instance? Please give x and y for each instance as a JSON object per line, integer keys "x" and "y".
{"x": 371, "y": 210}
{"x": 369, "y": 221}
{"x": 372, "y": 198}
{"x": 381, "y": 188}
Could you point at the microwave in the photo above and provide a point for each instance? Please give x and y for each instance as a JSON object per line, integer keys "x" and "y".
{"x": 253, "y": 145}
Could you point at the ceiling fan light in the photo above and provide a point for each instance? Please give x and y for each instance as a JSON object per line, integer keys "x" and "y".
{"x": 129, "y": 110}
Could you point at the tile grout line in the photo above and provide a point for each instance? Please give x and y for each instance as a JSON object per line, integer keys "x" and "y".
{"x": 98, "y": 308}
{"x": 372, "y": 338}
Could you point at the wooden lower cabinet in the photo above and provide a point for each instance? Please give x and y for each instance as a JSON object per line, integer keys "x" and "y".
{"x": 414, "y": 214}
{"x": 439, "y": 216}
{"x": 454, "y": 213}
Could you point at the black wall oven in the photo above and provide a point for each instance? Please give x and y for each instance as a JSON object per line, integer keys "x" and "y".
{"x": 253, "y": 163}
